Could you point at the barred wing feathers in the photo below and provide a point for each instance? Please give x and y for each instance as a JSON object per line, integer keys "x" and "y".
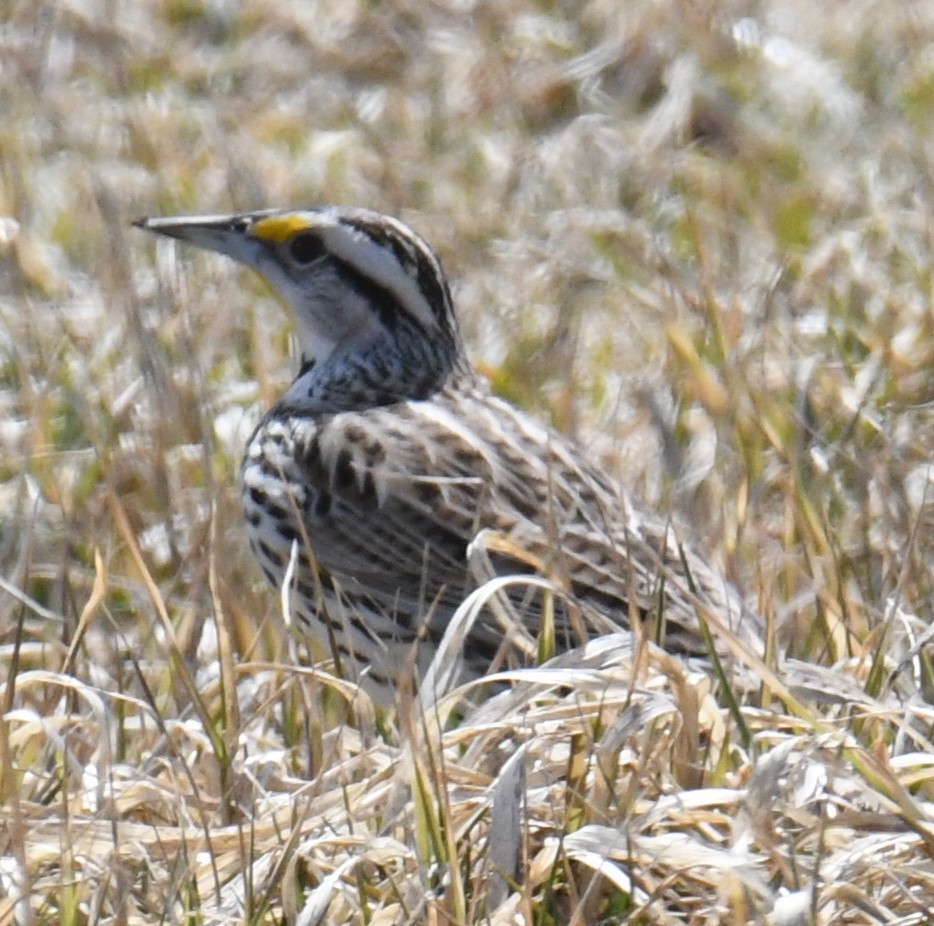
{"x": 386, "y": 527}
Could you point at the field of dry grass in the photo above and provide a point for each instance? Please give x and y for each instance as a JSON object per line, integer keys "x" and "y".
{"x": 696, "y": 236}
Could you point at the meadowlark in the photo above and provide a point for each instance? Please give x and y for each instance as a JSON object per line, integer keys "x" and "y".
{"x": 388, "y": 471}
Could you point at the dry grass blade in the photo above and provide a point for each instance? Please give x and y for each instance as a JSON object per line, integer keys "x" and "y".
{"x": 506, "y": 831}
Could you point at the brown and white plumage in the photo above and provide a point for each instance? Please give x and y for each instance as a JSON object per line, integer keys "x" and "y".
{"x": 388, "y": 455}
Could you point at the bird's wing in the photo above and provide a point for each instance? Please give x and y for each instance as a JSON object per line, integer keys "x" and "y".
{"x": 395, "y": 531}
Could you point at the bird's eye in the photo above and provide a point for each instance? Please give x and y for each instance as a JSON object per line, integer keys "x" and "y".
{"x": 305, "y": 248}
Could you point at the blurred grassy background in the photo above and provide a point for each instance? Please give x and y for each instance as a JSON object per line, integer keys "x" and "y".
{"x": 696, "y": 236}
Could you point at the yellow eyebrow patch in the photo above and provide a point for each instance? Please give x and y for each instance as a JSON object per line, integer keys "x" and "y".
{"x": 279, "y": 228}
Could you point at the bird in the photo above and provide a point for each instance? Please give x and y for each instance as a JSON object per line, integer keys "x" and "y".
{"x": 388, "y": 481}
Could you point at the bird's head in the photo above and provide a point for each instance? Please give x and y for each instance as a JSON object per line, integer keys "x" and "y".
{"x": 366, "y": 292}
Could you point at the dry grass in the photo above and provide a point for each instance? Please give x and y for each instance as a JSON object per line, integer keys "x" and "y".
{"x": 696, "y": 236}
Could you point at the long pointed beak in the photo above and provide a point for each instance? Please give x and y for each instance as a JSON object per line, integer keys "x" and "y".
{"x": 226, "y": 234}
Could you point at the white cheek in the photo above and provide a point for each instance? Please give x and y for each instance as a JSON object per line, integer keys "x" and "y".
{"x": 329, "y": 318}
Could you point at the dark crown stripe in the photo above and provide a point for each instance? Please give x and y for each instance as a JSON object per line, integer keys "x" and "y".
{"x": 405, "y": 250}
{"x": 416, "y": 258}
